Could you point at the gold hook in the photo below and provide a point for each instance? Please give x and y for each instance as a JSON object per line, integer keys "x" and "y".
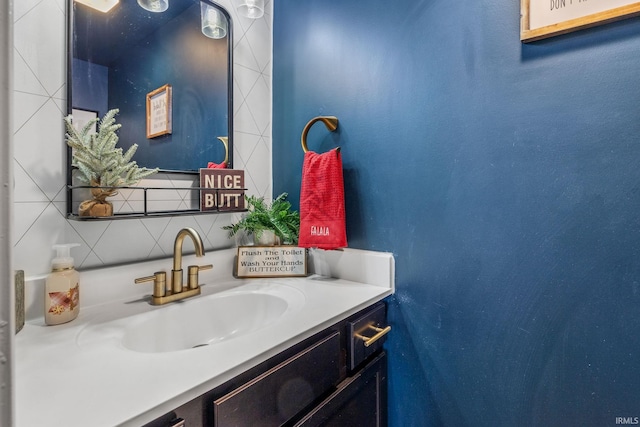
{"x": 225, "y": 141}
{"x": 331, "y": 122}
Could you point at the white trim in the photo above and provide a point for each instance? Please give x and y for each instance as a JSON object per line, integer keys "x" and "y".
{"x": 7, "y": 318}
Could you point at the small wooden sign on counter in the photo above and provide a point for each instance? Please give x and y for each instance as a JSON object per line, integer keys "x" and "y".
{"x": 222, "y": 190}
{"x": 271, "y": 261}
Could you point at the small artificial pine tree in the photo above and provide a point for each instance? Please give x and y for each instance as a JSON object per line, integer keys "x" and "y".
{"x": 99, "y": 161}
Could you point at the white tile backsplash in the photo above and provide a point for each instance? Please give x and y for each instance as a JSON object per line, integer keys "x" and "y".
{"x": 259, "y": 91}
{"x": 39, "y": 150}
{"x": 260, "y": 46}
{"x": 39, "y": 38}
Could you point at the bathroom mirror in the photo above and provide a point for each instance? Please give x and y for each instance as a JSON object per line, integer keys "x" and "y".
{"x": 133, "y": 59}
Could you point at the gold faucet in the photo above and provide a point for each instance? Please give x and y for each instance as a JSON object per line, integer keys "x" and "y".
{"x": 164, "y": 293}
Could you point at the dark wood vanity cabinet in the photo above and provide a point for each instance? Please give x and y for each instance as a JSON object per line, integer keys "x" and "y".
{"x": 330, "y": 379}
{"x": 276, "y": 396}
{"x": 359, "y": 401}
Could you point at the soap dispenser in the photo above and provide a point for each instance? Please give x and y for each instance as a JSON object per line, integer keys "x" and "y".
{"x": 62, "y": 288}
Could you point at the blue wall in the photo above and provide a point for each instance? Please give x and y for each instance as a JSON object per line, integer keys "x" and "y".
{"x": 503, "y": 176}
{"x": 90, "y": 86}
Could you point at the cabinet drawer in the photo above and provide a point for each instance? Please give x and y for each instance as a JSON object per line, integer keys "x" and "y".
{"x": 360, "y": 400}
{"x": 282, "y": 392}
{"x": 366, "y": 334}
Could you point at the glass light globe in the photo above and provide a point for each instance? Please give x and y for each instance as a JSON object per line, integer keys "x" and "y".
{"x": 253, "y": 9}
{"x": 154, "y": 5}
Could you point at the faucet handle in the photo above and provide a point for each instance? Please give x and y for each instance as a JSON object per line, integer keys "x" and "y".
{"x": 193, "y": 270}
{"x": 159, "y": 280}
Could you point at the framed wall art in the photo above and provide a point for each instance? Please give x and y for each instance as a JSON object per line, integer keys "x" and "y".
{"x": 159, "y": 112}
{"x": 540, "y": 19}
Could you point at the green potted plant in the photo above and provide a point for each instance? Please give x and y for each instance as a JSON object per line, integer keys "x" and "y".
{"x": 100, "y": 163}
{"x": 264, "y": 220}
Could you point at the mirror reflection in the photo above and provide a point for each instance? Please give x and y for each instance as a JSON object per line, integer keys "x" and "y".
{"x": 169, "y": 74}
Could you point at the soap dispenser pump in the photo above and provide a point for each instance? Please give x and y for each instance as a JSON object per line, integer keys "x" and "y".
{"x": 62, "y": 288}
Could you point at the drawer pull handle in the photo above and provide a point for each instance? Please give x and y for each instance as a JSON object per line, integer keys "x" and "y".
{"x": 380, "y": 332}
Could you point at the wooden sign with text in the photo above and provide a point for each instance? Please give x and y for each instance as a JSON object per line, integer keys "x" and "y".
{"x": 221, "y": 190}
{"x": 540, "y": 19}
{"x": 271, "y": 261}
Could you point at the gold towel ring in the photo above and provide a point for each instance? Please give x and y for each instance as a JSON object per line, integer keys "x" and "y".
{"x": 225, "y": 141}
{"x": 331, "y": 122}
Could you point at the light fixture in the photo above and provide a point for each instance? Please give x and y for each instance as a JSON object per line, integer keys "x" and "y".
{"x": 154, "y": 5}
{"x": 100, "y": 5}
{"x": 214, "y": 23}
{"x": 253, "y": 9}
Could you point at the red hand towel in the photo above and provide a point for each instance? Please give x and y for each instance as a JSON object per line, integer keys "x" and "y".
{"x": 322, "y": 215}
{"x": 212, "y": 165}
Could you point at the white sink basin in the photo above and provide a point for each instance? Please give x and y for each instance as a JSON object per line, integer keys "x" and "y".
{"x": 199, "y": 321}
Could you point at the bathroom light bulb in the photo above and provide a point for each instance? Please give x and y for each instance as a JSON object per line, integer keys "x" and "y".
{"x": 154, "y": 5}
{"x": 253, "y": 9}
{"x": 214, "y": 23}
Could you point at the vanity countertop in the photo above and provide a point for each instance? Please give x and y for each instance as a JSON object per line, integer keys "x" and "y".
{"x": 63, "y": 378}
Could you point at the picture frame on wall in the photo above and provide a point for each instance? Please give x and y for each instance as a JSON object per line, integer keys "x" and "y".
{"x": 81, "y": 117}
{"x": 540, "y": 19}
{"x": 159, "y": 112}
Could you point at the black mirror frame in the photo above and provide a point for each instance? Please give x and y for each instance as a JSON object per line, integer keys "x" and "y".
{"x": 69, "y": 90}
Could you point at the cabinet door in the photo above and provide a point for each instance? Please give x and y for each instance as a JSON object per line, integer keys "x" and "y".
{"x": 360, "y": 400}
{"x": 283, "y": 392}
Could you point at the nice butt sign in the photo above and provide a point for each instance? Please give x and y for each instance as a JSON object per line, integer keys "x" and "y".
{"x": 221, "y": 190}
